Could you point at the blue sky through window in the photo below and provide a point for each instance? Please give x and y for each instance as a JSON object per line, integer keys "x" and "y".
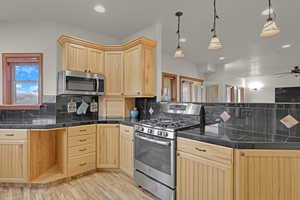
{"x": 27, "y": 73}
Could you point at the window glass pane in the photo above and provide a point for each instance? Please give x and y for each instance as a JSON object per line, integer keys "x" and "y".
{"x": 26, "y": 72}
{"x": 26, "y": 93}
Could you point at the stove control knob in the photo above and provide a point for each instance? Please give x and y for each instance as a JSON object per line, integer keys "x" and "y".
{"x": 141, "y": 129}
{"x": 165, "y": 134}
{"x": 150, "y": 131}
{"x": 159, "y": 133}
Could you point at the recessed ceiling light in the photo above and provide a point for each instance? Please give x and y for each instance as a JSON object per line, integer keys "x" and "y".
{"x": 286, "y": 46}
{"x": 182, "y": 39}
{"x": 99, "y": 8}
{"x": 266, "y": 12}
{"x": 222, "y": 58}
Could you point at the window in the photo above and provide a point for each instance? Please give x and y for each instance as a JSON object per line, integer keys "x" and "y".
{"x": 191, "y": 89}
{"x": 169, "y": 87}
{"x": 22, "y": 80}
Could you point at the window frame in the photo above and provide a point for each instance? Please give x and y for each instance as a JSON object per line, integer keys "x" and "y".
{"x": 173, "y": 78}
{"x": 8, "y": 58}
{"x": 182, "y": 78}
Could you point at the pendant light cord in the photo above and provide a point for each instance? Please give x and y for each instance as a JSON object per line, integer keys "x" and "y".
{"x": 215, "y": 18}
{"x": 270, "y": 6}
{"x": 178, "y": 33}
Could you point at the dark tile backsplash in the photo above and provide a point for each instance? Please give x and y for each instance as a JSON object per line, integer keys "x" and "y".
{"x": 62, "y": 114}
{"x": 56, "y": 111}
{"x": 251, "y": 119}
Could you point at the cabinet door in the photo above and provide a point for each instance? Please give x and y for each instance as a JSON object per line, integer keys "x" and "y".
{"x": 95, "y": 61}
{"x": 114, "y": 73}
{"x": 75, "y": 58}
{"x": 267, "y": 175}
{"x": 112, "y": 107}
{"x": 126, "y": 149}
{"x": 108, "y": 138}
{"x": 134, "y": 72}
{"x": 150, "y": 72}
{"x": 202, "y": 179}
{"x": 13, "y": 161}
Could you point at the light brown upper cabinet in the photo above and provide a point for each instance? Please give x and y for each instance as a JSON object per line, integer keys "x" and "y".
{"x": 114, "y": 73}
{"x": 95, "y": 61}
{"x": 129, "y": 69}
{"x": 75, "y": 57}
{"x": 139, "y": 71}
{"x": 82, "y": 59}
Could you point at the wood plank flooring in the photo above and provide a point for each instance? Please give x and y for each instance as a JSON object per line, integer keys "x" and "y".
{"x": 98, "y": 186}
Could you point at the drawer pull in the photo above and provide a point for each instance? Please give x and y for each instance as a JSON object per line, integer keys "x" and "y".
{"x": 202, "y": 150}
{"x": 242, "y": 154}
{"x": 83, "y": 149}
{"x": 9, "y": 135}
{"x": 82, "y": 164}
{"x": 84, "y": 140}
{"x": 83, "y": 130}
{"x": 127, "y": 131}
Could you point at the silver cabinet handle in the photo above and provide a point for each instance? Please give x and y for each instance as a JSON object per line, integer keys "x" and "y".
{"x": 9, "y": 135}
{"x": 153, "y": 140}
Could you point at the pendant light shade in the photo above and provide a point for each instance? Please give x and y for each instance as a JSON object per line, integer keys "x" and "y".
{"x": 179, "y": 51}
{"x": 215, "y": 42}
{"x": 270, "y": 28}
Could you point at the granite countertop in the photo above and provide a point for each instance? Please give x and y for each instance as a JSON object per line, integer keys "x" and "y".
{"x": 51, "y": 123}
{"x": 240, "y": 141}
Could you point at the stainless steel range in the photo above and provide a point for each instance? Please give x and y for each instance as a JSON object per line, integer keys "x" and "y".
{"x": 155, "y": 149}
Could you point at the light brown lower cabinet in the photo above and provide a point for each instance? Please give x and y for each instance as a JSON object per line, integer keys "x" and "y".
{"x": 126, "y": 149}
{"x": 13, "y": 156}
{"x": 108, "y": 147}
{"x": 267, "y": 175}
{"x": 204, "y": 171}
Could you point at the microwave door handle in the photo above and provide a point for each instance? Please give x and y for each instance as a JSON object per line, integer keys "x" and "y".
{"x": 153, "y": 141}
{"x": 97, "y": 85}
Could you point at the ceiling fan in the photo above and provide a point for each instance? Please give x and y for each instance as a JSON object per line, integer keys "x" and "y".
{"x": 295, "y": 71}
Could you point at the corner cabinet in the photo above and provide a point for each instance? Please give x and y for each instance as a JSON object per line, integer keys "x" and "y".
{"x": 126, "y": 150}
{"x": 204, "y": 171}
{"x": 267, "y": 174}
{"x": 108, "y": 139}
{"x": 13, "y": 156}
{"x": 114, "y": 73}
{"x": 139, "y": 75}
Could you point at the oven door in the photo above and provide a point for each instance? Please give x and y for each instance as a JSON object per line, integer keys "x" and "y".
{"x": 155, "y": 157}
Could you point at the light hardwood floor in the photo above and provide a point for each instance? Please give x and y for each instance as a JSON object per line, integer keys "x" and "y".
{"x": 98, "y": 186}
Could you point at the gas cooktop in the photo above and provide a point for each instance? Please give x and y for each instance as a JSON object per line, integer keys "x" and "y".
{"x": 170, "y": 124}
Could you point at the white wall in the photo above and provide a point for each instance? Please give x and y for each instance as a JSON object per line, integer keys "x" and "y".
{"x": 180, "y": 67}
{"x": 41, "y": 37}
{"x": 153, "y": 32}
{"x": 267, "y": 93}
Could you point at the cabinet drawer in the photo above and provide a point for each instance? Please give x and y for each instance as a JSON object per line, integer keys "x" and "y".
{"x": 210, "y": 151}
{"x": 7, "y": 134}
{"x": 126, "y": 130}
{"x": 82, "y": 140}
{"x": 82, "y": 149}
{"x": 81, "y": 130}
{"x": 81, "y": 164}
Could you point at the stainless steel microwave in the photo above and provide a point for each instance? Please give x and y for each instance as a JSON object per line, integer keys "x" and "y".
{"x": 80, "y": 83}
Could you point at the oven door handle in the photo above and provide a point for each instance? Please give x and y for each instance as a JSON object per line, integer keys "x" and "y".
{"x": 153, "y": 141}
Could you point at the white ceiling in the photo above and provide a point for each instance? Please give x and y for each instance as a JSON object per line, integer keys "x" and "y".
{"x": 239, "y": 28}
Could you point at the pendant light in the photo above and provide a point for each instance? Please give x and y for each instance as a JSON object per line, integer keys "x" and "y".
{"x": 215, "y": 42}
{"x": 179, "y": 52}
{"x": 270, "y": 28}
